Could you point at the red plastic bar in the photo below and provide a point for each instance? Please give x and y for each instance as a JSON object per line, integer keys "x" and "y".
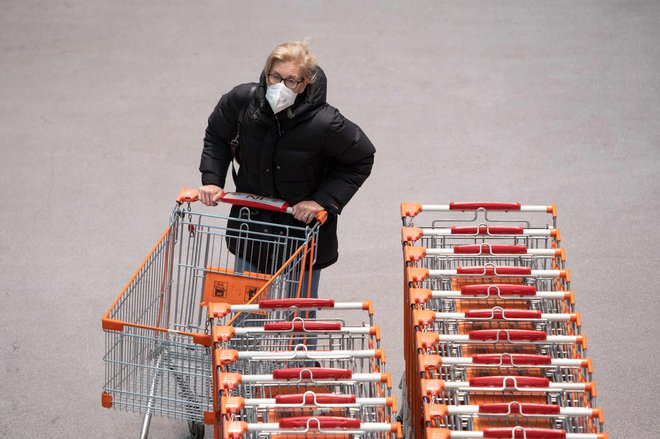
{"x": 492, "y": 271}
{"x": 518, "y": 408}
{"x": 486, "y": 230}
{"x": 507, "y": 334}
{"x": 320, "y": 422}
{"x": 313, "y": 373}
{"x": 487, "y": 206}
{"x": 498, "y": 289}
{"x": 254, "y": 201}
{"x": 526, "y": 433}
{"x": 512, "y": 359}
{"x": 509, "y": 381}
{"x": 299, "y": 303}
{"x": 312, "y": 398}
{"x": 300, "y": 326}
{"x": 501, "y": 314}
{"x": 490, "y": 249}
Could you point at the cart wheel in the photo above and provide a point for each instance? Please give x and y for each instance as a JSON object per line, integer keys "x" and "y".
{"x": 196, "y": 429}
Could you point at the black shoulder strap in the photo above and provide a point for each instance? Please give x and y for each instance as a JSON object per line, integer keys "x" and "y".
{"x": 239, "y": 122}
{"x": 233, "y": 144}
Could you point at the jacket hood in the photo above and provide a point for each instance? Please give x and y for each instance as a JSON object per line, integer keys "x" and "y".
{"x": 309, "y": 100}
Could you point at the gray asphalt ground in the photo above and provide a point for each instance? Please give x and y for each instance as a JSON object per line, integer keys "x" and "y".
{"x": 103, "y": 105}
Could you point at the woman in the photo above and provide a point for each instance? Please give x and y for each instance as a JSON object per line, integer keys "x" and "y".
{"x": 293, "y": 146}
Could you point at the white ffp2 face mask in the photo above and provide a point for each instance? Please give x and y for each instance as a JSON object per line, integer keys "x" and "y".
{"x": 279, "y": 96}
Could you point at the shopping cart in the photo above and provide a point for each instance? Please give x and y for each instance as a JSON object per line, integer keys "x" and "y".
{"x": 158, "y": 342}
{"x": 510, "y": 433}
{"x": 326, "y": 427}
{"x": 494, "y": 347}
{"x": 497, "y": 317}
{"x": 307, "y": 403}
{"x": 494, "y": 214}
{"x": 275, "y": 367}
{"x": 505, "y": 295}
{"x": 483, "y": 234}
{"x": 494, "y": 364}
{"x": 512, "y": 414}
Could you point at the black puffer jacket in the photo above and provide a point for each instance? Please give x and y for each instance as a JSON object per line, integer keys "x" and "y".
{"x": 306, "y": 152}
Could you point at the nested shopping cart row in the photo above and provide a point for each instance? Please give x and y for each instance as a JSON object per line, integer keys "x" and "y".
{"x": 493, "y": 345}
{"x": 217, "y": 327}
{"x": 301, "y": 368}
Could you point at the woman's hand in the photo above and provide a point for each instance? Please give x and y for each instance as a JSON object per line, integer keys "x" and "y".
{"x": 306, "y": 211}
{"x": 210, "y": 194}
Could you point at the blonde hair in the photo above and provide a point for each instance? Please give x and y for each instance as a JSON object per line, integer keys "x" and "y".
{"x": 297, "y": 52}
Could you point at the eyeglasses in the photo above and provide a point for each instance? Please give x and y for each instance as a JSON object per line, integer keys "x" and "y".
{"x": 289, "y": 82}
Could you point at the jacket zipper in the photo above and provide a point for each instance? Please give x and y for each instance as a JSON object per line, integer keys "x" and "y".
{"x": 279, "y": 128}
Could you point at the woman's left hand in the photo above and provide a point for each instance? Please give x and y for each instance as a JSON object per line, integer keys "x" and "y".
{"x": 306, "y": 211}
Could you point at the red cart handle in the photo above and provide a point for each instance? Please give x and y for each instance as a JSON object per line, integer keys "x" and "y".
{"x": 502, "y": 314}
{"x": 487, "y": 206}
{"x": 509, "y": 381}
{"x": 489, "y": 270}
{"x": 486, "y": 230}
{"x": 312, "y": 373}
{"x": 318, "y": 422}
{"x": 302, "y": 326}
{"x": 512, "y": 359}
{"x": 311, "y": 398}
{"x": 190, "y": 195}
{"x": 507, "y": 335}
{"x": 498, "y": 290}
{"x": 297, "y": 303}
{"x": 256, "y": 201}
{"x": 490, "y": 249}
{"x": 515, "y": 407}
{"x": 526, "y": 433}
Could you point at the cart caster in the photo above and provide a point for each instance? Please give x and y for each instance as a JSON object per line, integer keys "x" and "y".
{"x": 196, "y": 429}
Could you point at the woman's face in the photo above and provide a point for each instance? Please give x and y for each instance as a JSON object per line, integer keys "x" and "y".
{"x": 290, "y": 73}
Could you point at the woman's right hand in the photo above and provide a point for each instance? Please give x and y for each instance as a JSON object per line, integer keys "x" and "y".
{"x": 210, "y": 194}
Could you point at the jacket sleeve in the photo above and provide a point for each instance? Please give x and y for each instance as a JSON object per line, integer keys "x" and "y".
{"x": 352, "y": 157}
{"x": 221, "y": 129}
